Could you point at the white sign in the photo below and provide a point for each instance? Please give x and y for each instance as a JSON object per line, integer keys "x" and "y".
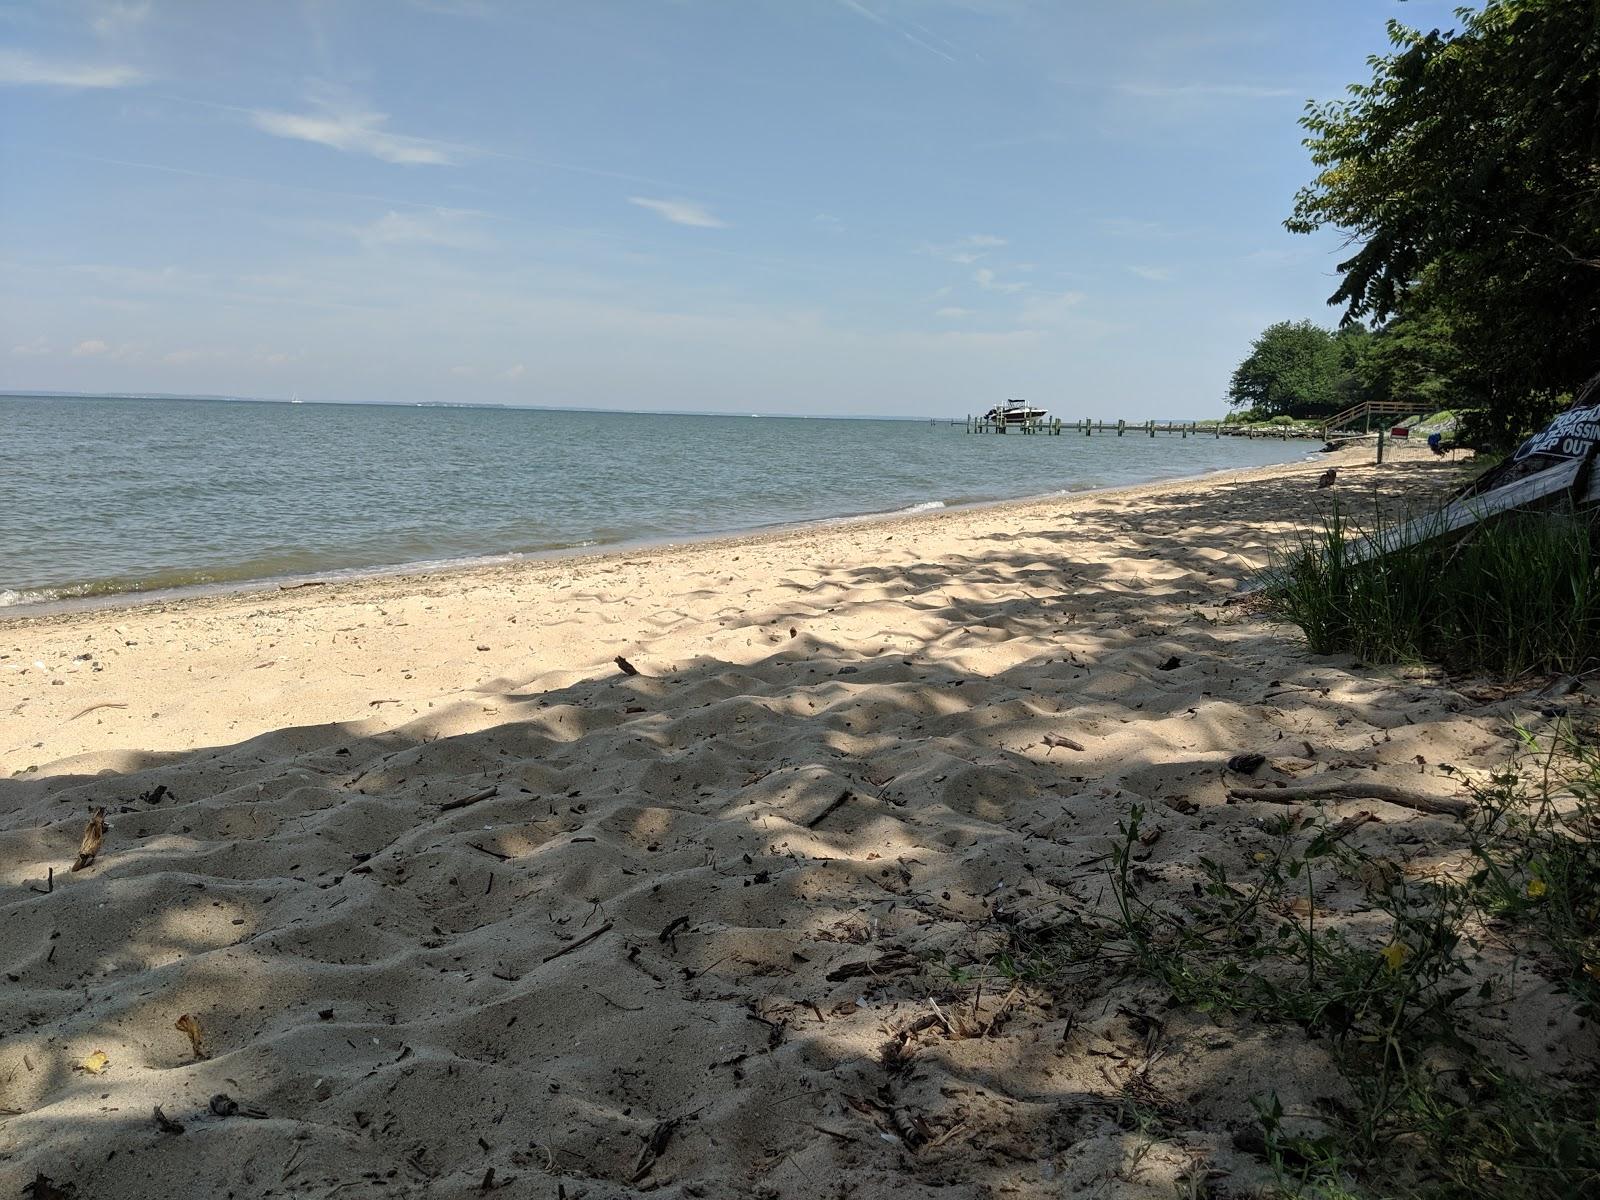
{"x": 1570, "y": 435}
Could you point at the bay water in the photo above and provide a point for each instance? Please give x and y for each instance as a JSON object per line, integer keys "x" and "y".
{"x": 105, "y": 495}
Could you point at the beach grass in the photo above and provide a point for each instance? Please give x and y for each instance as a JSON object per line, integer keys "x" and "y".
{"x": 1516, "y": 595}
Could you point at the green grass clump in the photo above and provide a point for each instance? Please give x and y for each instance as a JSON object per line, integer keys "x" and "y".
{"x": 1520, "y": 593}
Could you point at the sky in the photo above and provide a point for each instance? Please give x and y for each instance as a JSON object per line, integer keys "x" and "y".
{"x": 862, "y": 207}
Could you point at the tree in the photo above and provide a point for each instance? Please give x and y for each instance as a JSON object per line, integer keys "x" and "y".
{"x": 1293, "y": 369}
{"x": 1469, "y": 170}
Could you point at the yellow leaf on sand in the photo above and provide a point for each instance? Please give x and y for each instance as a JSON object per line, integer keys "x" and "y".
{"x": 187, "y": 1024}
{"x": 1394, "y": 954}
{"x": 96, "y": 1062}
{"x": 1536, "y": 888}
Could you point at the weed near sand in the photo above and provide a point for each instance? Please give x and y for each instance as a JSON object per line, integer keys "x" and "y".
{"x": 1425, "y": 984}
{"x": 1437, "y": 1108}
{"x": 1520, "y": 593}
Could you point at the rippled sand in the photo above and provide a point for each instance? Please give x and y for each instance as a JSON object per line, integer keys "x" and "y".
{"x": 461, "y": 906}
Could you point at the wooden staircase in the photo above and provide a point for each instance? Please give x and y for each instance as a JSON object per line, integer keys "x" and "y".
{"x": 1365, "y": 411}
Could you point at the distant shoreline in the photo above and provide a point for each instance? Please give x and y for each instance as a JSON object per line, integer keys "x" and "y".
{"x": 14, "y": 394}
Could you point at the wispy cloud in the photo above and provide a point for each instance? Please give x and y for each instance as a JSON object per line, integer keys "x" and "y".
{"x": 116, "y": 17}
{"x": 966, "y": 251}
{"x": 513, "y": 373}
{"x": 441, "y": 227}
{"x": 1202, "y": 91}
{"x": 953, "y": 313}
{"x": 861, "y": 10}
{"x": 349, "y": 126}
{"x": 21, "y": 69}
{"x": 37, "y": 348}
{"x": 1153, "y": 274}
{"x": 1052, "y": 309}
{"x": 990, "y": 282}
{"x": 95, "y": 348}
{"x": 680, "y": 212}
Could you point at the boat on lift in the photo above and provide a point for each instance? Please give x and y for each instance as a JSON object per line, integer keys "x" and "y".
{"x": 1016, "y": 412}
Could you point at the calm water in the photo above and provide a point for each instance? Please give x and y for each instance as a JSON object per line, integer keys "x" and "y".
{"x": 112, "y": 495}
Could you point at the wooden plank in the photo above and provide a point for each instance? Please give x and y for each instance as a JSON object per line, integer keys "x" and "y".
{"x": 1472, "y": 509}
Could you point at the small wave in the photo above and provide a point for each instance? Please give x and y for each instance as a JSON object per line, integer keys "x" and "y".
{"x": 10, "y": 597}
{"x": 925, "y": 506}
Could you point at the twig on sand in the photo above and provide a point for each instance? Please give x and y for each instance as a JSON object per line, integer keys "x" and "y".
{"x": 165, "y": 1123}
{"x": 827, "y": 812}
{"x": 484, "y": 794}
{"x": 654, "y": 1146}
{"x": 1449, "y": 806}
{"x": 626, "y": 667}
{"x": 581, "y": 942}
{"x": 49, "y": 886}
{"x": 995, "y": 1016}
{"x": 669, "y": 933}
{"x": 103, "y": 704}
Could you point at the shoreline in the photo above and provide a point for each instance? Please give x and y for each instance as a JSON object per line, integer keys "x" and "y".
{"x": 345, "y": 577}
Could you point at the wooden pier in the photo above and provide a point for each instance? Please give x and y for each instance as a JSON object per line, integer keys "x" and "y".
{"x": 1088, "y": 428}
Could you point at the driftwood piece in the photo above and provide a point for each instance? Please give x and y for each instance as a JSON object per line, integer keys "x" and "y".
{"x": 581, "y": 942}
{"x": 1449, "y": 806}
{"x": 483, "y": 794}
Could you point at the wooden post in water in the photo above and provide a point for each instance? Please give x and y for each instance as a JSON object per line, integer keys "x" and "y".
{"x": 1152, "y": 427}
{"x": 1121, "y": 427}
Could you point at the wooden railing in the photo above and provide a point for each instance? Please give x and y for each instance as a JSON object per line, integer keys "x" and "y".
{"x": 1365, "y": 410}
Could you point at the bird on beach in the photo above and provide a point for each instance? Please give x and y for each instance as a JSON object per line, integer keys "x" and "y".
{"x": 1326, "y": 479}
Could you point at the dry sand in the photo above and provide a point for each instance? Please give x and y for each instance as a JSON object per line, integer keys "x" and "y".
{"x": 726, "y": 927}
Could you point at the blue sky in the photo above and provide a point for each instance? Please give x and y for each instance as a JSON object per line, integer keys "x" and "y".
{"x": 814, "y": 206}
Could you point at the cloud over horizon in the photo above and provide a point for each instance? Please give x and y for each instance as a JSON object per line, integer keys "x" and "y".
{"x": 355, "y": 129}
{"x": 680, "y": 212}
{"x": 21, "y": 69}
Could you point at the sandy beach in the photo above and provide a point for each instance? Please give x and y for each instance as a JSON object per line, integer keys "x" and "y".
{"x": 463, "y": 905}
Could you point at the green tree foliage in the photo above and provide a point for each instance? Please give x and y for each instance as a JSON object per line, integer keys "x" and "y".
{"x": 1467, "y": 175}
{"x": 1293, "y": 369}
